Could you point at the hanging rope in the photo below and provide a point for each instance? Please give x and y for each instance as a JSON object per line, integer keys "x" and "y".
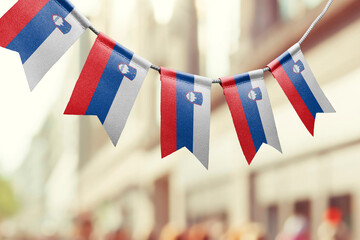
{"x": 316, "y": 21}
{"x": 157, "y": 68}
{"x": 311, "y": 27}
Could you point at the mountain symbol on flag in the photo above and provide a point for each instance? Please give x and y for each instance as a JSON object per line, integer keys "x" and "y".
{"x": 61, "y": 24}
{"x": 255, "y": 94}
{"x": 127, "y": 71}
{"x": 195, "y": 98}
{"x": 298, "y": 67}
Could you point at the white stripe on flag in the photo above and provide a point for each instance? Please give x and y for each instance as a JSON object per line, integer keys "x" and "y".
{"x": 265, "y": 110}
{"x": 202, "y": 121}
{"x": 296, "y": 53}
{"x": 125, "y": 98}
{"x": 53, "y": 48}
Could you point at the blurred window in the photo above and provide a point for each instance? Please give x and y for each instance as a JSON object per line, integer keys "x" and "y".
{"x": 303, "y": 208}
{"x": 161, "y": 203}
{"x": 344, "y": 204}
{"x": 292, "y": 9}
{"x": 270, "y": 12}
{"x": 272, "y": 221}
{"x": 266, "y": 15}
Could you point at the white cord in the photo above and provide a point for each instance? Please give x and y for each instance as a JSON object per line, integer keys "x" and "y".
{"x": 267, "y": 68}
{"x": 316, "y": 21}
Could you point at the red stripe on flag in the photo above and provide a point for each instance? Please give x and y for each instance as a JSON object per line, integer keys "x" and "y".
{"x": 168, "y": 112}
{"x": 293, "y": 95}
{"x": 90, "y": 75}
{"x": 14, "y": 20}
{"x": 239, "y": 118}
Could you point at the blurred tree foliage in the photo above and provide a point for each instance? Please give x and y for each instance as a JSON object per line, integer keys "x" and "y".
{"x": 8, "y": 202}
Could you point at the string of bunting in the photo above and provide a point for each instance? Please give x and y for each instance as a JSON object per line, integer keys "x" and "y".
{"x": 41, "y": 31}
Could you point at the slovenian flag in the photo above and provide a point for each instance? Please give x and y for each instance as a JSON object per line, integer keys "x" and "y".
{"x": 108, "y": 85}
{"x": 41, "y": 32}
{"x": 300, "y": 86}
{"x": 251, "y": 111}
{"x": 185, "y": 114}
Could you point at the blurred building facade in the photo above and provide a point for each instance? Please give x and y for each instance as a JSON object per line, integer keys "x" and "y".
{"x": 131, "y": 186}
{"x": 315, "y": 174}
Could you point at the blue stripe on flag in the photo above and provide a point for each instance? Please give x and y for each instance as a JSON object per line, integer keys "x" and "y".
{"x": 66, "y": 4}
{"x": 184, "y": 111}
{"x": 287, "y": 62}
{"x": 109, "y": 84}
{"x": 243, "y": 83}
{"x": 124, "y": 52}
{"x": 38, "y": 30}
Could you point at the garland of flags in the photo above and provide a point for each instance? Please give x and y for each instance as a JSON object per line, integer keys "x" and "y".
{"x": 41, "y": 31}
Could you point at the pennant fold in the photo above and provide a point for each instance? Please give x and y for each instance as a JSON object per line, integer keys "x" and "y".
{"x": 108, "y": 85}
{"x": 250, "y": 107}
{"x": 41, "y": 32}
{"x": 185, "y": 114}
{"x": 300, "y": 86}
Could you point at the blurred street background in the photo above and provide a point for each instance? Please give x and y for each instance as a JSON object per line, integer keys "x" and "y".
{"x": 61, "y": 177}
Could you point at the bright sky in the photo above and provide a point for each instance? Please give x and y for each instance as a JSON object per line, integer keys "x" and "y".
{"x": 219, "y": 33}
{"x": 23, "y": 112}
{"x": 163, "y": 10}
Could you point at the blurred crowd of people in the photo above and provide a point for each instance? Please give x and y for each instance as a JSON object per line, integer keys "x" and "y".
{"x": 213, "y": 231}
{"x": 296, "y": 227}
{"x": 332, "y": 227}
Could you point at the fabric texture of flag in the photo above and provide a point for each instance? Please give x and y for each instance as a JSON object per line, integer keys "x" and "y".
{"x": 250, "y": 107}
{"x": 41, "y": 32}
{"x": 108, "y": 85}
{"x": 300, "y": 86}
{"x": 185, "y": 114}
